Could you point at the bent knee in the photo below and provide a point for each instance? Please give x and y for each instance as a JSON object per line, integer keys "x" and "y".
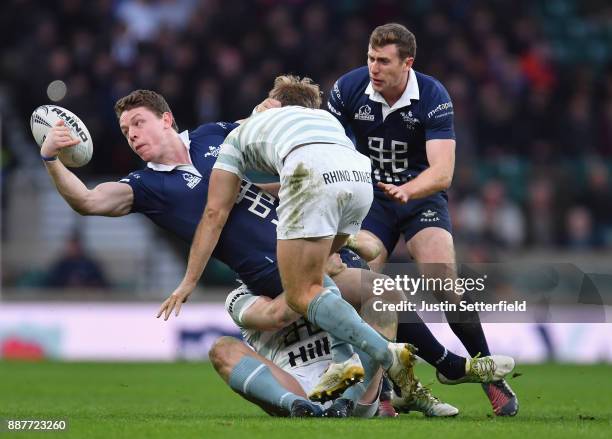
{"x": 299, "y": 300}
{"x": 432, "y": 244}
{"x": 222, "y": 350}
{"x": 297, "y": 303}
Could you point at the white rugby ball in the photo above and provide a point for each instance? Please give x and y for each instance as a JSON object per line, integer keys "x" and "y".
{"x": 46, "y": 116}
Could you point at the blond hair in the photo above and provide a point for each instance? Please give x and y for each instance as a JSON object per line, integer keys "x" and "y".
{"x": 293, "y": 90}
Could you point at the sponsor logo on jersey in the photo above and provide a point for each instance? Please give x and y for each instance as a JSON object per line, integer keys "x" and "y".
{"x": 441, "y": 107}
{"x": 222, "y": 125}
{"x": 310, "y": 351}
{"x": 192, "y": 180}
{"x": 333, "y": 110}
{"x": 429, "y": 216}
{"x": 336, "y": 91}
{"x": 411, "y": 121}
{"x": 364, "y": 113}
{"x": 213, "y": 151}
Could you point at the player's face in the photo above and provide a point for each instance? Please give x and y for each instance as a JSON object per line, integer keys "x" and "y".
{"x": 144, "y": 131}
{"x": 388, "y": 72}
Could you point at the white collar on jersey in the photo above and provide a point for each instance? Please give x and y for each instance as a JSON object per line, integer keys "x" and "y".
{"x": 184, "y": 136}
{"x": 411, "y": 92}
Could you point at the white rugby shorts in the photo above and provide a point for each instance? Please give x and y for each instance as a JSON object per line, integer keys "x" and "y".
{"x": 326, "y": 190}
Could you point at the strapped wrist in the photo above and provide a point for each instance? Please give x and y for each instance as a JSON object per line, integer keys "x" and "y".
{"x": 48, "y": 158}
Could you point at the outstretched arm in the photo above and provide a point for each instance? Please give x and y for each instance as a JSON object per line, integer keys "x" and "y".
{"x": 222, "y": 192}
{"x": 106, "y": 199}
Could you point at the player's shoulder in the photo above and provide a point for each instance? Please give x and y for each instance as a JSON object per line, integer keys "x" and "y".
{"x": 139, "y": 175}
{"x": 430, "y": 87}
{"x": 290, "y": 111}
{"x": 144, "y": 179}
{"x": 353, "y": 81}
{"x": 212, "y": 129}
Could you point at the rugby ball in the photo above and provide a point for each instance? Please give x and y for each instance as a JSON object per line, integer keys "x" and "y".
{"x": 46, "y": 116}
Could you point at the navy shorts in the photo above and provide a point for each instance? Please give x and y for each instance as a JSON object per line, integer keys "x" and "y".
{"x": 268, "y": 285}
{"x": 387, "y": 218}
{"x": 352, "y": 259}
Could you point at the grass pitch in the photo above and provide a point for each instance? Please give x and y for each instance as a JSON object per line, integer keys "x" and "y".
{"x": 185, "y": 400}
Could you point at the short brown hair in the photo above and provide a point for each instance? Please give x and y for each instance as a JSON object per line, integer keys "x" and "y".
{"x": 293, "y": 90}
{"x": 144, "y": 98}
{"x": 394, "y": 33}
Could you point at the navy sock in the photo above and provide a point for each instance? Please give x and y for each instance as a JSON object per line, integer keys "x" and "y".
{"x": 429, "y": 348}
{"x": 472, "y": 337}
{"x": 467, "y": 327}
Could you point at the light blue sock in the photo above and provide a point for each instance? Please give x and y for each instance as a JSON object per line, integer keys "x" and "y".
{"x": 340, "y": 350}
{"x": 339, "y": 319}
{"x": 252, "y": 377}
{"x": 355, "y": 392}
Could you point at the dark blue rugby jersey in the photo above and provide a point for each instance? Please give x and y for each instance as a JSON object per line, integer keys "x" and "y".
{"x": 395, "y": 145}
{"x": 175, "y": 200}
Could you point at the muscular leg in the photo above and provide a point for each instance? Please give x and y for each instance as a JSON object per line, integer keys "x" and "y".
{"x": 434, "y": 247}
{"x": 411, "y": 328}
{"x": 301, "y": 263}
{"x": 433, "y": 250}
{"x": 254, "y": 377}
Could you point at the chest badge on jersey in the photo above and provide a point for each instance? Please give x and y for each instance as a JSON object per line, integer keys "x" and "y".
{"x": 411, "y": 121}
{"x": 213, "y": 151}
{"x": 364, "y": 113}
{"x": 192, "y": 180}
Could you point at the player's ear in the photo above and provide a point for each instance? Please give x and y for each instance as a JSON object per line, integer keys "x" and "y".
{"x": 168, "y": 119}
{"x": 408, "y": 63}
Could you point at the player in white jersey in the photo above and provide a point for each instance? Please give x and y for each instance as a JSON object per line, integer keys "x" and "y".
{"x": 298, "y": 353}
{"x": 300, "y": 145}
{"x": 325, "y": 194}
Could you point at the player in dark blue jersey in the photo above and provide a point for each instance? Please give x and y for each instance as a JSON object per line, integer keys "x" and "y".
{"x": 174, "y": 196}
{"x": 403, "y": 120}
{"x": 172, "y": 192}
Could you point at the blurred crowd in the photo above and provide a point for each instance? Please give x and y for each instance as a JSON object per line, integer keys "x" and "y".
{"x": 531, "y": 83}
